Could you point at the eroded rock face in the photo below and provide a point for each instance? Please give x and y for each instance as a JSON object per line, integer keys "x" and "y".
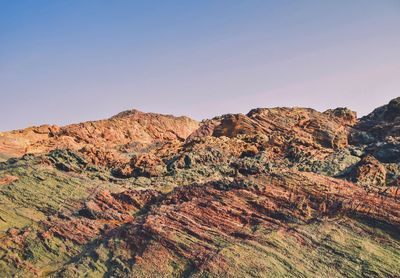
{"x": 370, "y": 172}
{"x": 345, "y": 115}
{"x": 105, "y": 137}
{"x": 304, "y": 124}
{"x": 192, "y": 222}
{"x": 131, "y": 126}
{"x": 380, "y": 132}
{"x": 392, "y": 111}
{"x": 276, "y": 192}
{"x": 383, "y": 121}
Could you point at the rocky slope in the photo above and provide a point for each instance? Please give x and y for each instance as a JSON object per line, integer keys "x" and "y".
{"x": 279, "y": 192}
{"x": 117, "y": 133}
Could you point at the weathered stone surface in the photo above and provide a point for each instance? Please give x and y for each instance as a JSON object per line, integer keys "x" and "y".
{"x": 192, "y": 222}
{"x": 277, "y": 192}
{"x": 383, "y": 121}
{"x": 370, "y": 172}
{"x": 105, "y": 135}
{"x": 304, "y": 124}
{"x": 345, "y": 115}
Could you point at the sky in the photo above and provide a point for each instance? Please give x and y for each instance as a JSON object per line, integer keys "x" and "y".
{"x": 69, "y": 61}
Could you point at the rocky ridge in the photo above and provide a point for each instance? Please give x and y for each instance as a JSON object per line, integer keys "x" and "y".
{"x": 277, "y": 192}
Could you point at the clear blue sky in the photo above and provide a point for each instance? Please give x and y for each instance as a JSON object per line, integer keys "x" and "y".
{"x": 70, "y": 61}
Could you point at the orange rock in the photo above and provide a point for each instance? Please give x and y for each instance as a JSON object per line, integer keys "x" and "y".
{"x": 110, "y": 134}
{"x": 371, "y": 172}
{"x": 7, "y": 180}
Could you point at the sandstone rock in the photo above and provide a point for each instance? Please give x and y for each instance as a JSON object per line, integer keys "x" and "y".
{"x": 124, "y": 128}
{"x": 306, "y": 124}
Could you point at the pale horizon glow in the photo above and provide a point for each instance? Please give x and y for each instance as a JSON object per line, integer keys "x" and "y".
{"x": 65, "y": 62}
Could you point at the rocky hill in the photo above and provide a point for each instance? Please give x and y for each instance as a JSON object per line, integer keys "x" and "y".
{"x": 278, "y": 192}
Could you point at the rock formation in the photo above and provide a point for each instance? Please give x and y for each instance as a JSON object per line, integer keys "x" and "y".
{"x": 278, "y": 192}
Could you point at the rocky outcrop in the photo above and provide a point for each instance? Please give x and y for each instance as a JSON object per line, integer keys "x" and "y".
{"x": 131, "y": 126}
{"x": 288, "y": 123}
{"x": 104, "y": 212}
{"x": 344, "y": 115}
{"x": 277, "y": 192}
{"x": 370, "y": 172}
{"x": 101, "y": 137}
{"x": 379, "y": 132}
{"x": 383, "y": 121}
{"x": 199, "y": 222}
